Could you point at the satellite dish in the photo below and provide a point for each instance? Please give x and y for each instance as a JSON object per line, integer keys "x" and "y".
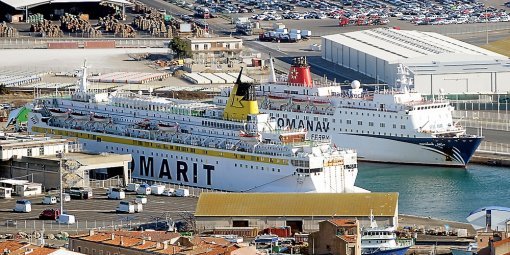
{"x": 355, "y": 84}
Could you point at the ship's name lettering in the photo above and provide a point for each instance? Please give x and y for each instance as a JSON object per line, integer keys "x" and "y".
{"x": 310, "y": 125}
{"x": 183, "y": 170}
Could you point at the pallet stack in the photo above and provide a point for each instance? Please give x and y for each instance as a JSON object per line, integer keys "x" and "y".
{"x": 6, "y": 31}
{"x": 47, "y": 29}
{"x": 111, "y": 24}
{"x": 74, "y": 24}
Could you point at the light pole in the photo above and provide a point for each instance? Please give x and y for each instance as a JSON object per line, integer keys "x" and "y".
{"x": 60, "y": 156}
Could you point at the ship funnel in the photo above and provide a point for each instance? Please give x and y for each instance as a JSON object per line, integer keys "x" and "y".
{"x": 272, "y": 74}
{"x": 242, "y": 101}
{"x": 299, "y": 74}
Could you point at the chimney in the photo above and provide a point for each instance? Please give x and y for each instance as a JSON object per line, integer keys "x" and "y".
{"x": 112, "y": 236}
{"x": 91, "y": 232}
{"x": 165, "y": 245}
{"x": 143, "y": 241}
{"x": 158, "y": 245}
{"x": 6, "y": 251}
{"x": 149, "y": 238}
{"x": 121, "y": 241}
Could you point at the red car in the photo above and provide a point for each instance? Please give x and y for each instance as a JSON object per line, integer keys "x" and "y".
{"x": 49, "y": 214}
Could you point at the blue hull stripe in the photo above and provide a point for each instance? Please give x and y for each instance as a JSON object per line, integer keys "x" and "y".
{"x": 452, "y": 148}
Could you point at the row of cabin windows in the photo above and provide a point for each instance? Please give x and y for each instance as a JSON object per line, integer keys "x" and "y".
{"x": 256, "y": 167}
{"x": 158, "y": 154}
{"x": 371, "y": 124}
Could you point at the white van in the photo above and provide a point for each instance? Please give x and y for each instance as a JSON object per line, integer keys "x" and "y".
{"x": 66, "y": 219}
{"x": 141, "y": 199}
{"x": 144, "y": 189}
{"x": 182, "y": 192}
{"x": 126, "y": 207}
{"x": 157, "y": 189}
{"x": 115, "y": 193}
{"x": 49, "y": 200}
{"x": 24, "y": 206}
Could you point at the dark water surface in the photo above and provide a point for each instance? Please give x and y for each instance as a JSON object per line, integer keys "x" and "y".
{"x": 445, "y": 193}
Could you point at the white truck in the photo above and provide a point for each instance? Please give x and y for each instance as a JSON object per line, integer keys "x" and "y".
{"x": 132, "y": 187}
{"x": 144, "y": 189}
{"x": 115, "y": 193}
{"x": 125, "y": 207}
{"x": 157, "y": 189}
{"x": 24, "y": 206}
{"x": 182, "y": 192}
{"x": 49, "y": 200}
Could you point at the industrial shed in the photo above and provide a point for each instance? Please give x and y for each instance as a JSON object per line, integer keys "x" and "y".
{"x": 434, "y": 61}
{"x": 301, "y": 211}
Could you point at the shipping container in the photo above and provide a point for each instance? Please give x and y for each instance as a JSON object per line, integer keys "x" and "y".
{"x": 99, "y": 44}
{"x": 62, "y": 45}
{"x": 244, "y": 232}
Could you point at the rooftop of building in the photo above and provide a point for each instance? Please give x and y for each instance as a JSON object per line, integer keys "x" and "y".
{"x": 10, "y": 140}
{"x": 21, "y": 248}
{"x": 89, "y": 158}
{"x": 395, "y": 44}
{"x": 501, "y": 242}
{"x": 160, "y": 242}
{"x": 215, "y": 39}
{"x": 21, "y": 4}
{"x": 292, "y": 204}
{"x": 343, "y": 222}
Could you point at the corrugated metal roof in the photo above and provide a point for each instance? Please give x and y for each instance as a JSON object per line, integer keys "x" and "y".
{"x": 17, "y": 4}
{"x": 392, "y": 44}
{"x": 297, "y": 204}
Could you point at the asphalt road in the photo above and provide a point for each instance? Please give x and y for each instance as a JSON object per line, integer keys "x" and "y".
{"x": 96, "y": 212}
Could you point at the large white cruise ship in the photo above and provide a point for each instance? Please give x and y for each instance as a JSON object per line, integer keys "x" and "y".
{"x": 397, "y": 126}
{"x": 234, "y": 148}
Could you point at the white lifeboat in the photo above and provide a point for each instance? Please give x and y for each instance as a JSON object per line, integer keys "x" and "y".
{"x": 99, "y": 118}
{"x": 301, "y": 101}
{"x": 163, "y": 127}
{"x": 321, "y": 102}
{"x": 80, "y": 116}
{"x": 58, "y": 113}
{"x": 278, "y": 98}
{"x": 250, "y": 138}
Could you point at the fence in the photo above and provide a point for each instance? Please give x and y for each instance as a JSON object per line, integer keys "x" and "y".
{"x": 36, "y": 225}
{"x": 112, "y": 182}
{"x": 193, "y": 191}
{"x": 502, "y": 148}
{"x": 483, "y": 120}
{"x": 42, "y": 43}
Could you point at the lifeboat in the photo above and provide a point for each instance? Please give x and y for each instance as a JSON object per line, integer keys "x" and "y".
{"x": 58, "y": 113}
{"x": 300, "y": 100}
{"x": 278, "y": 98}
{"x": 321, "y": 102}
{"x": 250, "y": 138}
{"x": 168, "y": 127}
{"x": 99, "y": 118}
{"x": 293, "y": 137}
{"x": 80, "y": 116}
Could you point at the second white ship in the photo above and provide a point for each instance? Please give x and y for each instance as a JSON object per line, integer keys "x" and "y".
{"x": 235, "y": 148}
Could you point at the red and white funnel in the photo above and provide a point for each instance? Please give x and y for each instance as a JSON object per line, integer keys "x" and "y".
{"x": 299, "y": 73}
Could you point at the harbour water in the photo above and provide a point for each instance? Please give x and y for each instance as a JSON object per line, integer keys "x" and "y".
{"x": 444, "y": 193}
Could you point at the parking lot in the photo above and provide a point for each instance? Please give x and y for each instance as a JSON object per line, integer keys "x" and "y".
{"x": 98, "y": 212}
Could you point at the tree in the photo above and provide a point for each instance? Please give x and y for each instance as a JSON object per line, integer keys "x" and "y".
{"x": 180, "y": 47}
{"x": 3, "y": 90}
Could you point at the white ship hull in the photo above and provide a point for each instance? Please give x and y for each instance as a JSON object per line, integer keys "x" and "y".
{"x": 219, "y": 173}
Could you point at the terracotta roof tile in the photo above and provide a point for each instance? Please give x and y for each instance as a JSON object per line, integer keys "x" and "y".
{"x": 126, "y": 241}
{"x": 99, "y": 237}
{"x": 344, "y": 223}
{"x": 501, "y": 242}
{"x": 11, "y": 245}
{"x": 42, "y": 251}
{"x": 349, "y": 239}
{"x": 157, "y": 236}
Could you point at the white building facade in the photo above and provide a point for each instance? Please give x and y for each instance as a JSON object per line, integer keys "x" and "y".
{"x": 435, "y": 61}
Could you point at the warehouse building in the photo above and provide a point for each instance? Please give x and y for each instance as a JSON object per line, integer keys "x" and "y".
{"x": 434, "y": 61}
{"x": 302, "y": 212}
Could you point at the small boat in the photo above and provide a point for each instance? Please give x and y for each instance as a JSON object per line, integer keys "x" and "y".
{"x": 321, "y": 102}
{"x": 293, "y": 137}
{"x": 80, "y": 116}
{"x": 58, "y": 113}
{"x": 168, "y": 127}
{"x": 382, "y": 240}
{"x": 472, "y": 249}
{"x": 300, "y": 101}
{"x": 251, "y": 138}
{"x": 278, "y": 98}
{"x": 100, "y": 118}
